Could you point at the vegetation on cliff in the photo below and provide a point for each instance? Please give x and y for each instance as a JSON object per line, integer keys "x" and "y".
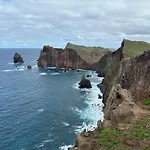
{"x": 134, "y": 137}
{"x": 133, "y": 48}
{"x": 89, "y": 54}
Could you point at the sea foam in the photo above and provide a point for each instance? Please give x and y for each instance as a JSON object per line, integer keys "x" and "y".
{"x": 65, "y": 147}
{"x": 93, "y": 112}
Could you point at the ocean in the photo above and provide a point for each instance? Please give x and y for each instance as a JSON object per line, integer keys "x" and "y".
{"x": 42, "y": 109}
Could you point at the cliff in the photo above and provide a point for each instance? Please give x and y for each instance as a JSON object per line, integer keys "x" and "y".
{"x": 126, "y": 92}
{"x": 126, "y": 95}
{"x": 128, "y": 49}
{"x": 75, "y": 57}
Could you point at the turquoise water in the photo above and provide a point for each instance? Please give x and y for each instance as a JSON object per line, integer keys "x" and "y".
{"x": 41, "y": 109}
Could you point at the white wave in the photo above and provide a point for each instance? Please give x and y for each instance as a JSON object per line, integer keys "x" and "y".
{"x": 11, "y": 63}
{"x": 93, "y": 112}
{"x": 35, "y": 66}
{"x": 54, "y": 74}
{"x": 75, "y": 85}
{"x": 38, "y": 146}
{"x": 87, "y": 126}
{"x": 40, "y": 110}
{"x": 6, "y": 70}
{"x": 51, "y": 67}
{"x": 77, "y": 110}
{"x": 43, "y": 74}
{"x": 65, "y": 147}
{"x": 20, "y": 69}
{"x": 65, "y": 124}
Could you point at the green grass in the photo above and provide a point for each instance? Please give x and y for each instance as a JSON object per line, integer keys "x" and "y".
{"x": 139, "y": 131}
{"x": 110, "y": 137}
{"x": 114, "y": 138}
{"x": 133, "y": 48}
{"x": 146, "y": 102}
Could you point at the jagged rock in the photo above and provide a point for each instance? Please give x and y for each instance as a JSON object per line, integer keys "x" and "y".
{"x": 99, "y": 96}
{"x": 85, "y": 83}
{"x": 88, "y": 76}
{"x": 29, "y": 67}
{"x": 17, "y": 58}
{"x": 73, "y": 56}
{"x": 127, "y": 90}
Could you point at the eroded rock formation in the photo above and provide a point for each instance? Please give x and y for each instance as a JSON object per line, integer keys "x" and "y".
{"x": 85, "y": 83}
{"x": 17, "y": 58}
{"x": 129, "y": 88}
{"x": 70, "y": 57}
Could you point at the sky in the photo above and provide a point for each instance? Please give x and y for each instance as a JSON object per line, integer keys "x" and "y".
{"x": 34, "y": 23}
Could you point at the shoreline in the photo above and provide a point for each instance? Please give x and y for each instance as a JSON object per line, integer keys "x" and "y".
{"x": 94, "y": 109}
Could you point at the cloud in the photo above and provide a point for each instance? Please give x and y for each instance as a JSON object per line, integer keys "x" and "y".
{"x": 95, "y": 22}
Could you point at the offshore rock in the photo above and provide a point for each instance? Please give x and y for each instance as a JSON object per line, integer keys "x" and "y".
{"x": 17, "y": 58}
{"x": 85, "y": 83}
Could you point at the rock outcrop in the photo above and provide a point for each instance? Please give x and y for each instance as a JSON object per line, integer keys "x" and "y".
{"x": 85, "y": 83}
{"x": 70, "y": 57}
{"x": 17, "y": 58}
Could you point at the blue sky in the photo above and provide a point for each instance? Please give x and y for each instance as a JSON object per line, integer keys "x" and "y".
{"x": 34, "y": 23}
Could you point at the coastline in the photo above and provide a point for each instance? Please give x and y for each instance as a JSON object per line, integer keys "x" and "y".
{"x": 93, "y": 112}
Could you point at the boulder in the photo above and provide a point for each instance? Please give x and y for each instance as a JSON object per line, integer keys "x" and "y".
{"x": 85, "y": 83}
{"x": 88, "y": 76}
{"x": 18, "y": 58}
{"x": 99, "y": 96}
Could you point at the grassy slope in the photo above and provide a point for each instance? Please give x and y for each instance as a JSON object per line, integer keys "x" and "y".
{"x": 133, "y": 48}
{"x": 136, "y": 137}
{"x": 89, "y": 54}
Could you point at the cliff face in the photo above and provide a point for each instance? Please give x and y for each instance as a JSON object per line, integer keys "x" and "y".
{"x": 129, "y": 88}
{"x": 72, "y": 57}
{"x": 109, "y": 62}
{"x": 52, "y": 57}
{"x": 125, "y": 88}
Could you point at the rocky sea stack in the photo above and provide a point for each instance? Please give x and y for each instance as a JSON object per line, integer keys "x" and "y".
{"x": 85, "y": 83}
{"x": 17, "y": 58}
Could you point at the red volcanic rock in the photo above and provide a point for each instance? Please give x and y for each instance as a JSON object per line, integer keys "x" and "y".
{"x": 69, "y": 57}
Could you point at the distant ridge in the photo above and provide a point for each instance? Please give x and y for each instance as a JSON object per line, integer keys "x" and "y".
{"x": 91, "y": 54}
